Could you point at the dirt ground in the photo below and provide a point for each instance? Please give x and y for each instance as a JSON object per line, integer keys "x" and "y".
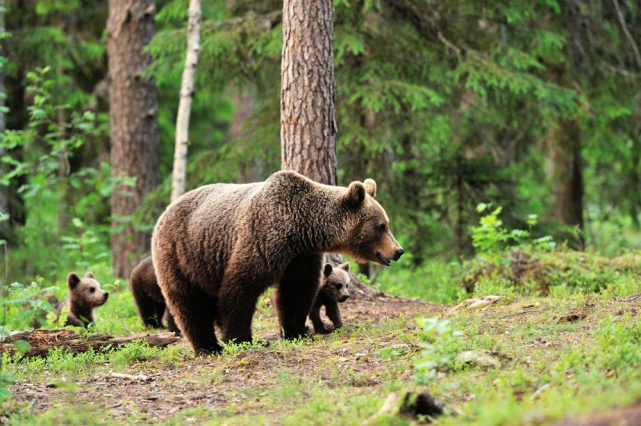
{"x": 233, "y": 384}
{"x": 157, "y": 394}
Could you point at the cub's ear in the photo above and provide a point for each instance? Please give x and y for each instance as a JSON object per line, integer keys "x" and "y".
{"x": 327, "y": 270}
{"x": 73, "y": 280}
{"x": 355, "y": 194}
{"x": 344, "y": 266}
{"x": 370, "y": 187}
{"x": 89, "y": 275}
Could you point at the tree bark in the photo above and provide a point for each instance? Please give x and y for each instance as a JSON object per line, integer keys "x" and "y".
{"x": 4, "y": 190}
{"x": 567, "y": 172}
{"x": 133, "y": 113}
{"x": 307, "y": 105}
{"x": 186, "y": 97}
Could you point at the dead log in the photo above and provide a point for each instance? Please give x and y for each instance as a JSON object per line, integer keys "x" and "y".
{"x": 41, "y": 341}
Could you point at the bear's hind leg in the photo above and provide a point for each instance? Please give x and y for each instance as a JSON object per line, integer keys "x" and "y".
{"x": 193, "y": 310}
{"x": 296, "y": 293}
{"x": 146, "y": 307}
{"x": 236, "y": 304}
{"x": 160, "y": 307}
{"x": 171, "y": 323}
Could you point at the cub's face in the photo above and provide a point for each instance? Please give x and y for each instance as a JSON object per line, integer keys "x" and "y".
{"x": 371, "y": 237}
{"x": 87, "y": 290}
{"x": 335, "y": 284}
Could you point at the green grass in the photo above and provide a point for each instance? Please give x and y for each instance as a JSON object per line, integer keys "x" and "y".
{"x": 550, "y": 367}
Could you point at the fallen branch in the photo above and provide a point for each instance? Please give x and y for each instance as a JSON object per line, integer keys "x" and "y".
{"x": 41, "y": 341}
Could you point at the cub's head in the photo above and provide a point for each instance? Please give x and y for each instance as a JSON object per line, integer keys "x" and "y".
{"x": 86, "y": 290}
{"x": 335, "y": 282}
{"x": 370, "y": 237}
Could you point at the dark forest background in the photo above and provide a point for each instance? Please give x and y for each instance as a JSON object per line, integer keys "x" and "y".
{"x": 531, "y": 105}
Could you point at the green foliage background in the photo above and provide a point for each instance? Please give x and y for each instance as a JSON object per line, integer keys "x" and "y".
{"x": 446, "y": 104}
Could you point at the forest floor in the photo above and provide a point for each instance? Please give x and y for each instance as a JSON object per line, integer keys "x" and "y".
{"x": 538, "y": 366}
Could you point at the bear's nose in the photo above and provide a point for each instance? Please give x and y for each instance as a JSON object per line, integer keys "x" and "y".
{"x": 399, "y": 253}
{"x": 106, "y": 295}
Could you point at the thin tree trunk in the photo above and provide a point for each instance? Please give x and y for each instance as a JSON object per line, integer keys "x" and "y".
{"x": 460, "y": 207}
{"x": 134, "y": 125}
{"x": 186, "y": 97}
{"x": 307, "y": 110}
{"x": 567, "y": 163}
{"x": 4, "y": 190}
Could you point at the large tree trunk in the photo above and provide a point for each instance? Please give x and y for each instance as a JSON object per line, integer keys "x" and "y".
{"x": 307, "y": 110}
{"x": 186, "y": 97}
{"x": 134, "y": 125}
{"x": 567, "y": 172}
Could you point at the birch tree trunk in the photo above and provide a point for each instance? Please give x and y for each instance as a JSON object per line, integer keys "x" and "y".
{"x": 186, "y": 97}
{"x": 307, "y": 109}
{"x": 133, "y": 114}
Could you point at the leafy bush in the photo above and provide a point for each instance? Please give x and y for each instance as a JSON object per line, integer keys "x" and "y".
{"x": 510, "y": 261}
{"x": 441, "y": 343}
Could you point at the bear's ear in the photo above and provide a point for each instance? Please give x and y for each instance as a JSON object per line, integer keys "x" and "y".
{"x": 89, "y": 275}
{"x": 327, "y": 270}
{"x": 355, "y": 194}
{"x": 370, "y": 187}
{"x": 344, "y": 266}
{"x": 73, "y": 280}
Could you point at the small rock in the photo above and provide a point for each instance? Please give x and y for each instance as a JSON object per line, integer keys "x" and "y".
{"x": 400, "y": 346}
{"x": 480, "y": 359}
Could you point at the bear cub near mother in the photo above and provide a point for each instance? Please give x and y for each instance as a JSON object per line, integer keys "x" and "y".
{"x": 149, "y": 299}
{"x": 219, "y": 247}
{"x": 333, "y": 290}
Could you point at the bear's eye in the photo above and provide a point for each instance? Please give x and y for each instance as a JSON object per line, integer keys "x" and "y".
{"x": 346, "y": 285}
{"x": 339, "y": 286}
{"x": 92, "y": 290}
{"x": 382, "y": 227}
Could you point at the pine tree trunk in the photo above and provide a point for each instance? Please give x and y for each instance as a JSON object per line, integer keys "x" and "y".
{"x": 4, "y": 190}
{"x": 186, "y": 97}
{"x": 307, "y": 110}
{"x": 567, "y": 164}
{"x": 133, "y": 113}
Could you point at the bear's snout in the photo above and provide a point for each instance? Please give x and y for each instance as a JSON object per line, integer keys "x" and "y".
{"x": 398, "y": 253}
{"x": 344, "y": 298}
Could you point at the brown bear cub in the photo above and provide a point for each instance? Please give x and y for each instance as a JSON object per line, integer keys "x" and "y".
{"x": 149, "y": 298}
{"x": 85, "y": 294}
{"x": 334, "y": 289}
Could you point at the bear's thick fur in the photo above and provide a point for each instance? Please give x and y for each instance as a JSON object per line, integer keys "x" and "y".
{"x": 334, "y": 289}
{"x": 148, "y": 296}
{"x": 85, "y": 294}
{"x": 217, "y": 248}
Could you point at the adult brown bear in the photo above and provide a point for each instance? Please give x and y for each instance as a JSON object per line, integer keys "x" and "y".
{"x": 219, "y": 247}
